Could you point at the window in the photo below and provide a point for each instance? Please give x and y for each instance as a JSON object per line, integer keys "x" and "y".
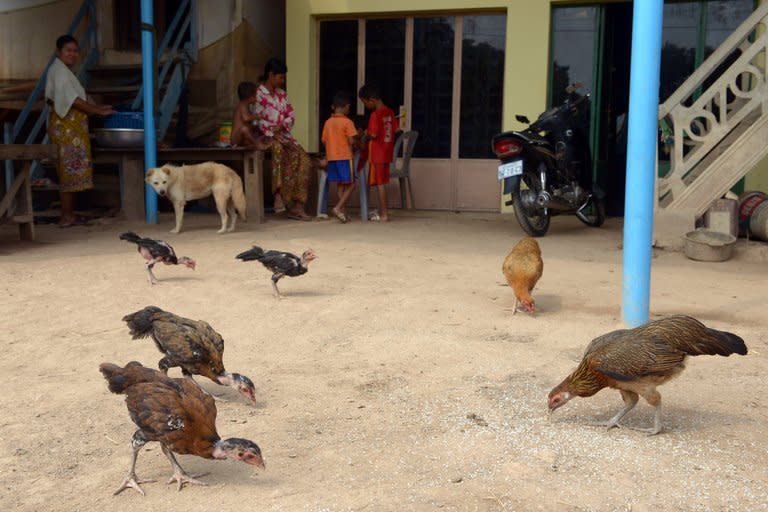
{"x": 433, "y": 40}
{"x": 482, "y": 83}
{"x": 385, "y": 59}
{"x": 338, "y": 64}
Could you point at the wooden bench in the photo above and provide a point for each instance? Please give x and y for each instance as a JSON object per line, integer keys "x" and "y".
{"x": 130, "y": 164}
{"x": 20, "y": 190}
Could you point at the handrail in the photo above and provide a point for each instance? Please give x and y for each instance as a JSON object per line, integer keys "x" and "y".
{"x": 702, "y": 118}
{"x": 185, "y": 12}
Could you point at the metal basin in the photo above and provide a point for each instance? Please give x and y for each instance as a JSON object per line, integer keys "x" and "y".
{"x": 706, "y": 245}
{"x": 119, "y": 137}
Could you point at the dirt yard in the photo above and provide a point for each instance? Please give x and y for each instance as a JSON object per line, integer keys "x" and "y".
{"x": 391, "y": 377}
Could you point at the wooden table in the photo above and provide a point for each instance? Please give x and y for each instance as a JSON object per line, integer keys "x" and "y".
{"x": 130, "y": 164}
{"x": 20, "y": 191}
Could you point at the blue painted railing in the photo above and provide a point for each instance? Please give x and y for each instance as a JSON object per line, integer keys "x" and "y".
{"x": 178, "y": 62}
{"x": 88, "y": 44}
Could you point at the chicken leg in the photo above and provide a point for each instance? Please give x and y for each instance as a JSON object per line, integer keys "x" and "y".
{"x": 152, "y": 278}
{"x": 275, "y": 278}
{"x": 179, "y": 475}
{"x": 131, "y": 480}
{"x": 630, "y": 401}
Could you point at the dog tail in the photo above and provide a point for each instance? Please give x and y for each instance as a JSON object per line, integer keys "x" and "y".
{"x": 238, "y": 197}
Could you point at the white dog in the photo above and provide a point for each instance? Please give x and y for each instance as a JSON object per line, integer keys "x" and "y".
{"x": 188, "y": 182}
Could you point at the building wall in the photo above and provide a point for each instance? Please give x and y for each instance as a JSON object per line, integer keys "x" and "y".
{"x": 525, "y": 82}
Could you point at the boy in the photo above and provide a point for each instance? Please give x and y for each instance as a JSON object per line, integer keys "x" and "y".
{"x": 242, "y": 118}
{"x": 338, "y": 135}
{"x": 382, "y": 126}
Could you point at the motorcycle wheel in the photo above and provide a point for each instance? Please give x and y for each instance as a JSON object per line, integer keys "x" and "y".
{"x": 593, "y": 214}
{"x": 534, "y": 225}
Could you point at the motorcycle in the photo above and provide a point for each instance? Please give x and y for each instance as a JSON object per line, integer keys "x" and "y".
{"x": 547, "y": 168}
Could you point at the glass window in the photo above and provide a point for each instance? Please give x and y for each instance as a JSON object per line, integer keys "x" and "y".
{"x": 482, "y": 83}
{"x": 574, "y": 36}
{"x": 679, "y": 36}
{"x": 385, "y": 59}
{"x": 723, "y": 17}
{"x": 338, "y": 64}
{"x": 433, "y": 41}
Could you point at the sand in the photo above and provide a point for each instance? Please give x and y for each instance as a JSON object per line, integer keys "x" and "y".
{"x": 391, "y": 377}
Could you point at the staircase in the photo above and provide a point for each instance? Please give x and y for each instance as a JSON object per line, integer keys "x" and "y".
{"x": 719, "y": 130}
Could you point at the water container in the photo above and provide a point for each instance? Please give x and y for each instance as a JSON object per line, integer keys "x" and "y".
{"x": 758, "y": 221}
{"x": 748, "y": 203}
{"x": 723, "y": 217}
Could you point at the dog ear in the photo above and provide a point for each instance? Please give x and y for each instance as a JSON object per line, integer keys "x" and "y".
{"x": 150, "y": 172}
{"x": 166, "y": 170}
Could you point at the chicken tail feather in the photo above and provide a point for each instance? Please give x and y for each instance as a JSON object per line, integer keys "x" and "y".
{"x": 119, "y": 379}
{"x": 255, "y": 253}
{"x": 130, "y": 236}
{"x": 695, "y": 339}
{"x": 722, "y": 343}
{"x": 140, "y": 322}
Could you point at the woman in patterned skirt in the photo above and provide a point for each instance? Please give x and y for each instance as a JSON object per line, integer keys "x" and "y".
{"x": 68, "y": 127}
{"x": 290, "y": 163}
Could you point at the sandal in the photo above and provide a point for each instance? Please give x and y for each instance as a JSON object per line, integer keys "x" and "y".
{"x": 341, "y": 216}
{"x": 374, "y": 217}
{"x": 77, "y": 221}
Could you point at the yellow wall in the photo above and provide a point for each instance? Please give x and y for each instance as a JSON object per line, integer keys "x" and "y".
{"x": 525, "y": 81}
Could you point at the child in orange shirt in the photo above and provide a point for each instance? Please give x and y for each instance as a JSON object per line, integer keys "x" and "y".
{"x": 382, "y": 126}
{"x": 338, "y": 136}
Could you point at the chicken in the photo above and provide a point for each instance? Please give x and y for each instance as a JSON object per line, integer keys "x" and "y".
{"x": 635, "y": 361}
{"x": 192, "y": 345}
{"x": 280, "y": 263}
{"x": 156, "y": 251}
{"x": 523, "y": 267}
{"x": 177, "y": 414}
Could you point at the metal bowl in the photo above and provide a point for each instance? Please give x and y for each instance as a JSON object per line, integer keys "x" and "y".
{"x": 119, "y": 137}
{"x": 706, "y": 245}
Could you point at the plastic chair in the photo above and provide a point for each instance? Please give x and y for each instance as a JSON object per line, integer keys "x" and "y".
{"x": 362, "y": 184}
{"x": 404, "y": 143}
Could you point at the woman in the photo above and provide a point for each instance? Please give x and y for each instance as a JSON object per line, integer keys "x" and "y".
{"x": 290, "y": 163}
{"x": 68, "y": 127}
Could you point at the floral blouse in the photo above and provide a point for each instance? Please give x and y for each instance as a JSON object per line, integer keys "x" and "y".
{"x": 273, "y": 110}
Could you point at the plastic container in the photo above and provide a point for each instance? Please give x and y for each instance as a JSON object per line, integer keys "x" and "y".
{"x": 723, "y": 216}
{"x": 758, "y": 222}
{"x": 225, "y": 133}
{"x": 748, "y": 203}
{"x": 117, "y": 120}
{"x": 705, "y": 245}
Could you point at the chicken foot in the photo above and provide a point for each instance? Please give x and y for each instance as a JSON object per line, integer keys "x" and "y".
{"x": 630, "y": 400}
{"x": 131, "y": 480}
{"x": 179, "y": 475}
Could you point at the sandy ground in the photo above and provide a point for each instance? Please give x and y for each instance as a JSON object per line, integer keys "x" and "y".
{"x": 391, "y": 377}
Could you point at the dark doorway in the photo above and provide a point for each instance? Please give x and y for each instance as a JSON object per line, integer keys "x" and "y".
{"x": 127, "y": 16}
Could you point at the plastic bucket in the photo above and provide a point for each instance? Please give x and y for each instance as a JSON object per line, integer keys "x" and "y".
{"x": 758, "y": 221}
{"x": 747, "y": 205}
{"x": 225, "y": 132}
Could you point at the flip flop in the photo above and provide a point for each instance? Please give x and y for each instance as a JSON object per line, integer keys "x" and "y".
{"x": 296, "y": 216}
{"x": 75, "y": 222}
{"x": 374, "y": 217}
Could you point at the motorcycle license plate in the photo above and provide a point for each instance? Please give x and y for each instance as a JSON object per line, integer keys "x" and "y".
{"x": 510, "y": 169}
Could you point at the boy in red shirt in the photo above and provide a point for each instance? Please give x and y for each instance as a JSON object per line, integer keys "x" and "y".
{"x": 382, "y": 126}
{"x": 338, "y": 135}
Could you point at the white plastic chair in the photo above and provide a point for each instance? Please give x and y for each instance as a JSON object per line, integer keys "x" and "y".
{"x": 404, "y": 143}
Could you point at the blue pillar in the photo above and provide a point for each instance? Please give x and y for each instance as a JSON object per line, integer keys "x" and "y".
{"x": 148, "y": 77}
{"x": 641, "y": 159}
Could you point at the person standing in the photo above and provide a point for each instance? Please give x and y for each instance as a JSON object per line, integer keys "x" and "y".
{"x": 382, "y": 126}
{"x": 338, "y": 136}
{"x": 290, "y": 163}
{"x": 68, "y": 127}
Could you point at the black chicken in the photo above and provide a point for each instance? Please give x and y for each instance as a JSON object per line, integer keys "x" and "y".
{"x": 177, "y": 414}
{"x": 192, "y": 345}
{"x": 280, "y": 263}
{"x": 156, "y": 251}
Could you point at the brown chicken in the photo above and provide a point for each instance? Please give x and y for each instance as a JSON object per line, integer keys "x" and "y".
{"x": 635, "y": 361}
{"x": 192, "y": 345}
{"x": 176, "y": 413}
{"x": 522, "y": 268}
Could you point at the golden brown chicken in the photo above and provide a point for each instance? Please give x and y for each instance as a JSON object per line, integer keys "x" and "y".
{"x": 192, "y": 345}
{"x": 176, "y": 413}
{"x": 522, "y": 268}
{"x": 635, "y": 361}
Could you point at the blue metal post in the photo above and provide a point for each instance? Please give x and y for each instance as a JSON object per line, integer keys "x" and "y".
{"x": 641, "y": 159}
{"x": 147, "y": 75}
